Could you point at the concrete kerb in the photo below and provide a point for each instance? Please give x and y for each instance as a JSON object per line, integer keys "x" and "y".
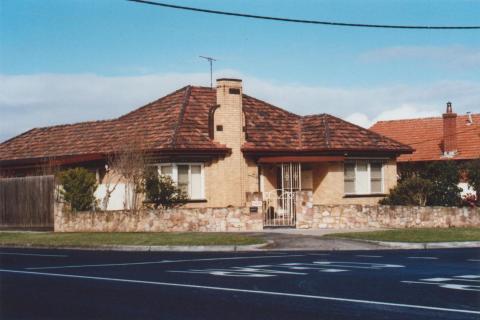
{"x": 419, "y": 245}
{"x": 186, "y": 248}
{"x": 257, "y": 247}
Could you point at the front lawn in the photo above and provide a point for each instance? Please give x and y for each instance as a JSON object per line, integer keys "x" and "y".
{"x": 91, "y": 239}
{"x": 414, "y": 235}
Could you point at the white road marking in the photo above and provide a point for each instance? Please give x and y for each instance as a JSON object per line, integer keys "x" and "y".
{"x": 457, "y": 278}
{"x": 332, "y": 270}
{"x": 265, "y": 270}
{"x": 34, "y": 254}
{"x": 272, "y": 293}
{"x": 474, "y": 260}
{"x": 448, "y": 285}
{"x": 240, "y": 272}
{"x": 367, "y": 256}
{"x": 437, "y": 279}
{"x": 427, "y": 258}
{"x": 158, "y": 262}
{"x": 468, "y": 276}
{"x": 227, "y": 273}
{"x": 357, "y": 265}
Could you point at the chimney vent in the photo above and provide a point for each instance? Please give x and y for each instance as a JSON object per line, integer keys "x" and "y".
{"x": 470, "y": 119}
{"x": 449, "y": 132}
{"x": 449, "y": 107}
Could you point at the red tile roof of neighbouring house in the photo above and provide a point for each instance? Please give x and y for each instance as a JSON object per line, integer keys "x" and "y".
{"x": 425, "y": 135}
{"x": 180, "y": 122}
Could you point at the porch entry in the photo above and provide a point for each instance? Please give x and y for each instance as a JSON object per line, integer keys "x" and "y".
{"x": 280, "y": 204}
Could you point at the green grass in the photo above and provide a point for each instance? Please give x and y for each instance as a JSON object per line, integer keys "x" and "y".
{"x": 90, "y": 239}
{"x": 414, "y": 235}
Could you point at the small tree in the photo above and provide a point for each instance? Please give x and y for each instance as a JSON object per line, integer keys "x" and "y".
{"x": 78, "y": 188}
{"x": 161, "y": 191}
{"x": 127, "y": 165}
{"x": 410, "y": 191}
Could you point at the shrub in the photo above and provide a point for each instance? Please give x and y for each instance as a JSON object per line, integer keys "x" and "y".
{"x": 444, "y": 176}
{"x": 473, "y": 176}
{"x": 78, "y": 188}
{"x": 470, "y": 200}
{"x": 161, "y": 191}
{"x": 410, "y": 191}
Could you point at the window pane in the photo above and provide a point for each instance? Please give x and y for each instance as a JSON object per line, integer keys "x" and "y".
{"x": 362, "y": 166}
{"x": 166, "y": 170}
{"x": 362, "y": 182}
{"x": 349, "y": 169}
{"x": 376, "y": 177}
{"x": 350, "y": 186}
{"x": 376, "y": 185}
{"x": 196, "y": 183}
{"x": 183, "y": 178}
{"x": 349, "y": 177}
{"x": 376, "y": 170}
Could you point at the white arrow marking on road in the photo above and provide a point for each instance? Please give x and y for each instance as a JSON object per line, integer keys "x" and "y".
{"x": 367, "y": 256}
{"x": 468, "y": 276}
{"x": 449, "y": 285}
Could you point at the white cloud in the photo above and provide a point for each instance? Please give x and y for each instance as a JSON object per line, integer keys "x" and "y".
{"x": 447, "y": 56}
{"x": 402, "y": 112}
{"x": 28, "y": 101}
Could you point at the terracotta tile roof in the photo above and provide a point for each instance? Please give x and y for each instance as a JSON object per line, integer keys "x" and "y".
{"x": 338, "y": 134}
{"x": 180, "y": 121}
{"x": 176, "y": 121}
{"x": 425, "y": 135}
{"x": 270, "y": 128}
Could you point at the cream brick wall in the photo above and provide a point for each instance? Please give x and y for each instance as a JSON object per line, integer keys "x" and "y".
{"x": 329, "y": 189}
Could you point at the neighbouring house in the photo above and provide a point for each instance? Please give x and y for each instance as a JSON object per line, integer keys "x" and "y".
{"x": 449, "y": 137}
{"x": 220, "y": 144}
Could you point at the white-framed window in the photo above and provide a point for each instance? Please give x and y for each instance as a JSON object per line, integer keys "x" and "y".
{"x": 363, "y": 177}
{"x": 187, "y": 176}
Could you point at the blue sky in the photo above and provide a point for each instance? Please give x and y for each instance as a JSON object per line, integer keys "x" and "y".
{"x": 68, "y": 61}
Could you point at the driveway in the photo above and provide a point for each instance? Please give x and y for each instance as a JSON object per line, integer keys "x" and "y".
{"x": 307, "y": 239}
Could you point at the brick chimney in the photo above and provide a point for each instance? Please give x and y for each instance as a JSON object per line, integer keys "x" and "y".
{"x": 449, "y": 132}
{"x": 228, "y": 119}
{"x": 228, "y": 123}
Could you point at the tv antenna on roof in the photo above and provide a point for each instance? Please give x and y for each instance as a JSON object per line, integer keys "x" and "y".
{"x": 210, "y": 60}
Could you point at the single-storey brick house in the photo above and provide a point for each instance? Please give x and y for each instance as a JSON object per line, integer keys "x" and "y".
{"x": 449, "y": 137}
{"x": 219, "y": 144}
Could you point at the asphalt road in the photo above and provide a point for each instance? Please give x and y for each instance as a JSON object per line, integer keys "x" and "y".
{"x": 404, "y": 284}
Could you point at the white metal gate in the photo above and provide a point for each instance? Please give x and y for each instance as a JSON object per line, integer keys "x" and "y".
{"x": 280, "y": 204}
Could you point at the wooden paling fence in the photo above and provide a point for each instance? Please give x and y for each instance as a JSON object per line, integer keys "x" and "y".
{"x": 27, "y": 202}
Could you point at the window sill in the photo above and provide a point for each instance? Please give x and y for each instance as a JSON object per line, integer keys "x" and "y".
{"x": 369, "y": 195}
{"x": 196, "y": 200}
